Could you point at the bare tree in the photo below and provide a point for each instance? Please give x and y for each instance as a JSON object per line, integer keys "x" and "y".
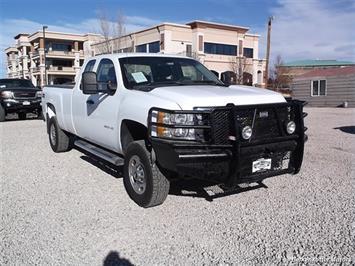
{"x": 105, "y": 31}
{"x": 112, "y": 31}
{"x": 239, "y": 66}
{"x": 119, "y": 30}
{"x": 279, "y": 77}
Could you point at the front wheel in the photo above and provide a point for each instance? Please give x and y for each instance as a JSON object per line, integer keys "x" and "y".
{"x": 59, "y": 140}
{"x": 144, "y": 182}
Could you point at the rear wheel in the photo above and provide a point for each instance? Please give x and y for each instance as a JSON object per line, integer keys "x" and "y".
{"x": 59, "y": 140}
{"x": 2, "y": 114}
{"x": 144, "y": 182}
{"x": 22, "y": 116}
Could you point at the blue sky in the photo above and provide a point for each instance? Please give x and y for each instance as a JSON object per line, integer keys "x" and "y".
{"x": 302, "y": 29}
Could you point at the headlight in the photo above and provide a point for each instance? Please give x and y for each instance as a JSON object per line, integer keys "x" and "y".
{"x": 7, "y": 94}
{"x": 291, "y": 127}
{"x": 173, "y": 119}
{"x": 39, "y": 94}
{"x": 247, "y": 132}
{"x": 166, "y": 125}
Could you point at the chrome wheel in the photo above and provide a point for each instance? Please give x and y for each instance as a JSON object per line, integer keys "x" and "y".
{"x": 52, "y": 134}
{"x": 137, "y": 175}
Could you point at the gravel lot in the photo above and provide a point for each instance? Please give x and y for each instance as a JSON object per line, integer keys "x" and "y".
{"x": 68, "y": 209}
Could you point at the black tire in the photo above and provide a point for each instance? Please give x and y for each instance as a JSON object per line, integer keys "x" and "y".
{"x": 156, "y": 184}
{"x": 2, "y": 114}
{"x": 59, "y": 140}
{"x": 22, "y": 116}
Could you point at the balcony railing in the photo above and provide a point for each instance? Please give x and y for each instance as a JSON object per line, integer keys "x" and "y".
{"x": 61, "y": 68}
{"x": 54, "y": 52}
{"x": 63, "y": 53}
{"x": 54, "y": 69}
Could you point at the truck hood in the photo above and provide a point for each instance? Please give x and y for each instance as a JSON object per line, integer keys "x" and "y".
{"x": 188, "y": 97}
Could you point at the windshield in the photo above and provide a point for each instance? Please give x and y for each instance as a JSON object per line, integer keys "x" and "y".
{"x": 15, "y": 83}
{"x": 146, "y": 73}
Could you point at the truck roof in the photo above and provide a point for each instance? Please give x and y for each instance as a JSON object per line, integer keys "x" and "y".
{"x": 123, "y": 55}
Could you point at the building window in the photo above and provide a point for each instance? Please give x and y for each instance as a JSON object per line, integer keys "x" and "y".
{"x": 200, "y": 42}
{"x": 218, "y": 48}
{"x": 189, "y": 50}
{"x": 154, "y": 47}
{"x": 260, "y": 77}
{"x": 240, "y": 47}
{"x": 318, "y": 87}
{"x": 141, "y": 48}
{"x": 162, "y": 38}
{"x": 61, "y": 47}
{"x": 248, "y": 52}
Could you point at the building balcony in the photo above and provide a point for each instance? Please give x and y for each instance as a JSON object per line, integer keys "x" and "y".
{"x": 59, "y": 54}
{"x": 61, "y": 70}
{"x": 63, "y": 54}
{"x": 55, "y": 70}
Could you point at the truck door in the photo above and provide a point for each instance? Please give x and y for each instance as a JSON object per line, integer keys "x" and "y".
{"x": 94, "y": 115}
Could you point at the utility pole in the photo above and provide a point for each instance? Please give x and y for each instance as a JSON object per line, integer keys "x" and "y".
{"x": 268, "y": 51}
{"x": 44, "y": 58}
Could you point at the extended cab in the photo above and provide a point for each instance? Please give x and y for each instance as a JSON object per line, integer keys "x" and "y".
{"x": 19, "y": 96}
{"x": 166, "y": 117}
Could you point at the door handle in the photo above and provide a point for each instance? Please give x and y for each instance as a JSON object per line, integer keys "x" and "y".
{"x": 90, "y": 102}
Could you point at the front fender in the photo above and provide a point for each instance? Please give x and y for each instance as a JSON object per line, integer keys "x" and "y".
{"x": 135, "y": 106}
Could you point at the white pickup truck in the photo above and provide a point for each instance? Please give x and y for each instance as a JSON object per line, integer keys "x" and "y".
{"x": 167, "y": 117}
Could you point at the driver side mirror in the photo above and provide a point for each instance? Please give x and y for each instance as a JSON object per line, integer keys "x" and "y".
{"x": 89, "y": 83}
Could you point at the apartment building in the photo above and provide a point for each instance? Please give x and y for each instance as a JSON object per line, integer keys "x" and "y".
{"x": 64, "y": 56}
{"x": 228, "y": 50}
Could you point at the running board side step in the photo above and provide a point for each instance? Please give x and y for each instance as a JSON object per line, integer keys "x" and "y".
{"x": 99, "y": 152}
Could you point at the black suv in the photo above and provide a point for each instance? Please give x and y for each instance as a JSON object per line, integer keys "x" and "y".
{"x": 19, "y": 96}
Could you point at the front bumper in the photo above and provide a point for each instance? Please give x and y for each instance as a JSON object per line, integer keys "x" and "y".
{"x": 231, "y": 161}
{"x": 229, "y": 164}
{"x": 21, "y": 105}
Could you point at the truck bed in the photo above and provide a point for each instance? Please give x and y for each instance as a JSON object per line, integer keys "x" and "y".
{"x": 60, "y": 96}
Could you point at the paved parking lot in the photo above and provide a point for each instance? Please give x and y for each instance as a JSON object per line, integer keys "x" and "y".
{"x": 69, "y": 209}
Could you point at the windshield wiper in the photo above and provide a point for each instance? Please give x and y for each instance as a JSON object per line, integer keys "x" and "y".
{"x": 212, "y": 82}
{"x": 148, "y": 86}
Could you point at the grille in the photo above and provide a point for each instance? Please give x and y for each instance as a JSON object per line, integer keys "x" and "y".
{"x": 24, "y": 95}
{"x": 266, "y": 122}
{"x": 221, "y": 122}
{"x": 265, "y": 126}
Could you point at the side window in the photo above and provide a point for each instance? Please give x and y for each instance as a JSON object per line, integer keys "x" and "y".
{"x": 106, "y": 72}
{"x": 90, "y": 66}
